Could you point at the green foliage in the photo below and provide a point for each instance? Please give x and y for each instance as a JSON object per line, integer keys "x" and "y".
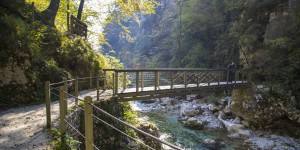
{"x": 57, "y": 144}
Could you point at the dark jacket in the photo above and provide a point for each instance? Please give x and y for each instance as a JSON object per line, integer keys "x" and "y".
{"x": 230, "y": 66}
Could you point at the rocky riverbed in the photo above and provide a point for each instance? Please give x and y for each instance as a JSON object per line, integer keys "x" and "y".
{"x": 211, "y": 118}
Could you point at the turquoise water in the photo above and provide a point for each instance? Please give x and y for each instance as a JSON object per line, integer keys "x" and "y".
{"x": 189, "y": 138}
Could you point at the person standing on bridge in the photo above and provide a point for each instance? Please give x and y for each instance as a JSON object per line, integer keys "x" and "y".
{"x": 230, "y": 68}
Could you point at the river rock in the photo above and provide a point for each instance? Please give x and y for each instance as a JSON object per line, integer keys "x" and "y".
{"x": 213, "y": 108}
{"x": 245, "y": 134}
{"x": 259, "y": 112}
{"x": 191, "y": 112}
{"x": 245, "y": 123}
{"x": 237, "y": 120}
{"x": 149, "y": 101}
{"x": 212, "y": 144}
{"x": 174, "y": 102}
{"x": 185, "y": 118}
{"x": 194, "y": 123}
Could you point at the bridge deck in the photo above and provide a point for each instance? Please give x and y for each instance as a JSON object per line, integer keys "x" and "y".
{"x": 162, "y": 91}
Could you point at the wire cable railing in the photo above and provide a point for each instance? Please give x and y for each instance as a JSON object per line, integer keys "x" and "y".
{"x": 68, "y": 95}
{"x": 136, "y": 129}
{"x": 122, "y": 132}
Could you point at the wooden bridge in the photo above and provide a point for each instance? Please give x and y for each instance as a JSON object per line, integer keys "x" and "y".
{"x": 139, "y": 84}
{"x": 133, "y": 84}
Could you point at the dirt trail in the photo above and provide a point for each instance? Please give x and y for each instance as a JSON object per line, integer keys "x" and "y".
{"x": 24, "y": 128}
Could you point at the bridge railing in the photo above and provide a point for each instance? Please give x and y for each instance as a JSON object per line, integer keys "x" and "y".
{"x": 63, "y": 93}
{"x": 173, "y": 78}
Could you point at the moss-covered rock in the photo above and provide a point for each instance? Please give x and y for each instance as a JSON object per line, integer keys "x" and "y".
{"x": 267, "y": 110}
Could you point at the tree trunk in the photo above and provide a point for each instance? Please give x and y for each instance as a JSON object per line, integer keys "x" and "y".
{"x": 80, "y": 8}
{"x": 48, "y": 15}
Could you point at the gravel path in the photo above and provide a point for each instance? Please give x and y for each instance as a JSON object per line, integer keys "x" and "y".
{"x": 24, "y": 128}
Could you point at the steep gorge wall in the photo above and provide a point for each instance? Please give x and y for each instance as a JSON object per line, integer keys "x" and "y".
{"x": 254, "y": 34}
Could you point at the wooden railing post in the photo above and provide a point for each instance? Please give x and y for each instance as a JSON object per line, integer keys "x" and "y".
{"x": 156, "y": 84}
{"x": 76, "y": 91}
{"x": 184, "y": 79}
{"x": 113, "y": 83}
{"x": 66, "y": 84}
{"x": 116, "y": 82}
{"x": 242, "y": 76}
{"x": 235, "y": 75}
{"x": 219, "y": 77}
{"x": 142, "y": 80}
{"x": 88, "y": 120}
{"x": 198, "y": 79}
{"x": 158, "y": 79}
{"x": 250, "y": 76}
{"x": 124, "y": 80}
{"x": 105, "y": 82}
{"x": 172, "y": 80}
{"x": 137, "y": 79}
{"x": 227, "y": 77}
{"x": 91, "y": 79}
{"x": 207, "y": 78}
{"x": 62, "y": 113}
{"x": 47, "y": 95}
{"x": 97, "y": 85}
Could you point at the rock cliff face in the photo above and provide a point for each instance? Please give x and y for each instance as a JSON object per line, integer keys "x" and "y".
{"x": 267, "y": 111}
{"x": 200, "y": 33}
{"x": 32, "y": 53}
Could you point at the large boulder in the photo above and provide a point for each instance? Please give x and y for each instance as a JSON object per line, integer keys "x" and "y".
{"x": 194, "y": 123}
{"x": 260, "y": 111}
{"x": 191, "y": 112}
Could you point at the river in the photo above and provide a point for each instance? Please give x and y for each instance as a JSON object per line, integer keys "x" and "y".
{"x": 173, "y": 131}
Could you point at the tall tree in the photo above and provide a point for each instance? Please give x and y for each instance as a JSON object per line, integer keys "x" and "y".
{"x": 48, "y": 15}
{"x": 80, "y": 8}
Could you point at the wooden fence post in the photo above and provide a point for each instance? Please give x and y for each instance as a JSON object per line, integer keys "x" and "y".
{"x": 88, "y": 119}
{"x": 66, "y": 84}
{"x": 48, "y": 113}
{"x": 62, "y": 113}
{"x": 91, "y": 79}
{"x": 97, "y": 85}
{"x": 76, "y": 91}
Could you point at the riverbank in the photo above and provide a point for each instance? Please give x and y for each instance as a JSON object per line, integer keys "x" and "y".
{"x": 197, "y": 122}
